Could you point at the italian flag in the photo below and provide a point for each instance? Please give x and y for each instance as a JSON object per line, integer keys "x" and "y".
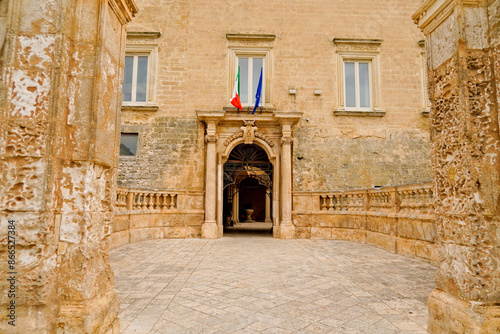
{"x": 235, "y": 100}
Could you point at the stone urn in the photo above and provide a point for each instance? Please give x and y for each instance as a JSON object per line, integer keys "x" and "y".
{"x": 249, "y": 215}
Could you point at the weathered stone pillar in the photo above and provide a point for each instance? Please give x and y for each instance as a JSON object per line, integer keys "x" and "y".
{"x": 287, "y": 229}
{"x": 463, "y": 59}
{"x": 60, "y": 102}
{"x": 268, "y": 206}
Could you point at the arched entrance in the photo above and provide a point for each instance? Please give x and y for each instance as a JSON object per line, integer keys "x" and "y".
{"x": 248, "y": 186}
{"x": 269, "y": 133}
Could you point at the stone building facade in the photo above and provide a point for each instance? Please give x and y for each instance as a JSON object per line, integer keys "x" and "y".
{"x": 61, "y": 65}
{"x": 305, "y": 50}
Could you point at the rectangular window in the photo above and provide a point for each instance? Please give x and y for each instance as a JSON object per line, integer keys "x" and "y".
{"x": 135, "y": 78}
{"x": 250, "y": 69}
{"x": 358, "y": 77}
{"x": 357, "y": 81}
{"x": 128, "y": 144}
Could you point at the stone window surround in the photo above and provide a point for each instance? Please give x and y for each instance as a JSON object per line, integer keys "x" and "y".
{"x": 250, "y": 45}
{"x": 359, "y": 50}
{"x": 144, "y": 43}
{"x": 129, "y": 128}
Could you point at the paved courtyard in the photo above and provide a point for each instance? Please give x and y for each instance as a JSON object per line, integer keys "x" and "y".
{"x": 256, "y": 284}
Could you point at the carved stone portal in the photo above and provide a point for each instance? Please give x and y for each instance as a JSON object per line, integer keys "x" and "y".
{"x": 279, "y": 174}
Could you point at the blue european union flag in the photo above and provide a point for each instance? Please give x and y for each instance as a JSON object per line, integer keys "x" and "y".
{"x": 257, "y": 96}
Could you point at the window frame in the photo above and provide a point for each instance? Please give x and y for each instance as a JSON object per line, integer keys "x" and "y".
{"x": 357, "y": 97}
{"x": 151, "y": 51}
{"x": 122, "y": 132}
{"x": 250, "y": 92}
{"x": 251, "y": 52}
{"x": 359, "y": 51}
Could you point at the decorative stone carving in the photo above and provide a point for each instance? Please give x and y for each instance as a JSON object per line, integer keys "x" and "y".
{"x": 211, "y": 138}
{"x": 233, "y": 137}
{"x": 286, "y": 140}
{"x": 249, "y": 131}
{"x": 260, "y": 135}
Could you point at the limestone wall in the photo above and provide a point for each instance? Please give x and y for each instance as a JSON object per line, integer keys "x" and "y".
{"x": 330, "y": 152}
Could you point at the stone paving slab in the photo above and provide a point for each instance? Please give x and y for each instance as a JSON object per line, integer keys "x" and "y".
{"x": 251, "y": 284}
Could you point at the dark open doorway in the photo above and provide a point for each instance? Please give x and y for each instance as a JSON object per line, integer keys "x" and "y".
{"x": 248, "y": 191}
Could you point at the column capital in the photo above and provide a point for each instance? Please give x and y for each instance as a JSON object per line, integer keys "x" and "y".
{"x": 286, "y": 139}
{"x": 211, "y": 138}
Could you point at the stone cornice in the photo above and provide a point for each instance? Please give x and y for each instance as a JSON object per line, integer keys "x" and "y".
{"x": 376, "y": 42}
{"x": 125, "y": 10}
{"x": 434, "y": 12}
{"x": 251, "y": 37}
{"x": 144, "y": 34}
{"x": 276, "y": 117}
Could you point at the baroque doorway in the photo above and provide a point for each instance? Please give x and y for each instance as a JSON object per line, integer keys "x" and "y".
{"x": 248, "y": 186}
{"x": 254, "y": 147}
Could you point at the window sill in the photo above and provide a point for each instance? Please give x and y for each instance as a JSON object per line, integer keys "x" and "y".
{"x": 127, "y": 157}
{"x": 375, "y": 113}
{"x": 249, "y": 109}
{"x": 139, "y": 108}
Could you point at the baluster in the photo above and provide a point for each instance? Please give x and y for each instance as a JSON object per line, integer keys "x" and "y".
{"x": 164, "y": 204}
{"x": 150, "y": 202}
{"x": 118, "y": 200}
{"x": 137, "y": 201}
{"x": 157, "y": 201}
{"x": 173, "y": 201}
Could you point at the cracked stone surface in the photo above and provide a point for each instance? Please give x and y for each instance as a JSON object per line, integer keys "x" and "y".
{"x": 254, "y": 284}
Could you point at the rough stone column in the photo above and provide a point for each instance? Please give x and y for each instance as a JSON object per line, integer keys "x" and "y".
{"x": 463, "y": 59}
{"x": 209, "y": 227}
{"x": 59, "y": 111}
{"x": 287, "y": 229}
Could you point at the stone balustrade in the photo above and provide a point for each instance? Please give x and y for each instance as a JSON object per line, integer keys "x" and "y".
{"x": 415, "y": 197}
{"x": 129, "y": 199}
{"x": 142, "y": 214}
{"x": 399, "y": 219}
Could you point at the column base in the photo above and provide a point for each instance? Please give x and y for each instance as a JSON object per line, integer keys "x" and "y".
{"x": 209, "y": 230}
{"x": 287, "y": 231}
{"x": 98, "y": 315}
{"x": 449, "y": 314}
